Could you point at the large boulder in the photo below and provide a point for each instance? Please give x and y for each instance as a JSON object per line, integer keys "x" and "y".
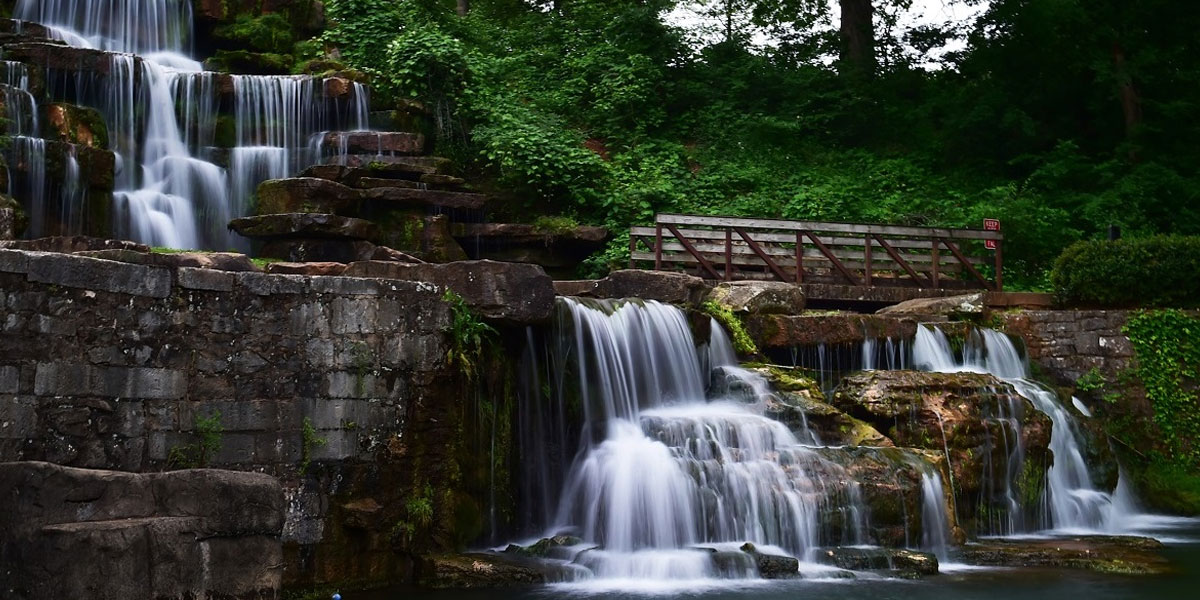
{"x": 759, "y": 297}
{"x": 908, "y": 562}
{"x": 1122, "y": 555}
{"x": 663, "y": 286}
{"x": 72, "y": 244}
{"x": 997, "y": 443}
{"x": 220, "y": 261}
{"x": 938, "y": 309}
{"x": 81, "y": 533}
{"x": 797, "y": 402}
{"x": 304, "y": 195}
{"x": 555, "y": 249}
{"x": 772, "y": 566}
{"x": 483, "y": 570}
{"x": 378, "y": 142}
{"x": 512, "y": 293}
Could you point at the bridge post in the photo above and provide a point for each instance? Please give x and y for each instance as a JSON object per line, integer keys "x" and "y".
{"x": 999, "y": 267}
{"x": 933, "y": 254}
{"x": 657, "y": 246}
{"x": 867, "y": 259}
{"x": 728, "y": 253}
{"x": 799, "y": 257}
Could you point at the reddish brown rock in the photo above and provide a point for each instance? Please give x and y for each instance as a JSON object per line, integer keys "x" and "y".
{"x": 310, "y": 268}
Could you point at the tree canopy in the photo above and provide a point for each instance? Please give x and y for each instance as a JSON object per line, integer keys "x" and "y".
{"x": 1060, "y": 117}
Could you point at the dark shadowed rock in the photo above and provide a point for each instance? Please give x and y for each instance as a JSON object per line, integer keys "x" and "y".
{"x": 304, "y": 225}
{"x": 374, "y": 142}
{"x": 937, "y": 309}
{"x": 221, "y": 261}
{"x": 478, "y": 570}
{"x": 307, "y": 268}
{"x": 304, "y": 195}
{"x": 1125, "y": 555}
{"x": 664, "y": 286}
{"x": 510, "y": 292}
{"x": 907, "y": 562}
{"x": 12, "y": 219}
{"x": 759, "y": 297}
{"x": 554, "y": 249}
{"x": 788, "y": 331}
{"x": 772, "y": 566}
{"x": 301, "y": 250}
{"x": 387, "y": 254}
{"x": 395, "y": 197}
{"x": 71, "y": 244}
{"x": 81, "y": 533}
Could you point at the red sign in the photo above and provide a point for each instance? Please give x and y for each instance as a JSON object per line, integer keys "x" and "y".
{"x": 990, "y": 225}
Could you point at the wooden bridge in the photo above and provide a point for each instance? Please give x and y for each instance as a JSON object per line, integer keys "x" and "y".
{"x": 851, "y": 260}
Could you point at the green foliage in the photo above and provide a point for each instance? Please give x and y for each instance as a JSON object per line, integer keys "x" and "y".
{"x": 418, "y": 515}
{"x": 209, "y": 432}
{"x": 554, "y": 225}
{"x": 743, "y": 344}
{"x": 1091, "y": 381}
{"x": 309, "y": 440}
{"x": 468, "y": 335}
{"x": 1147, "y": 272}
{"x": 1170, "y": 487}
{"x": 1168, "y": 358}
{"x": 270, "y": 32}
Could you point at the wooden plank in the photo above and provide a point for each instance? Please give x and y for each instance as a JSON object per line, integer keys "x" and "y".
{"x": 632, "y": 249}
{"x": 933, "y": 253}
{"x": 867, "y": 261}
{"x": 742, "y": 249}
{"x": 658, "y": 247}
{"x": 763, "y": 255}
{"x": 799, "y": 258}
{"x": 899, "y": 260}
{"x": 877, "y": 268}
{"x": 814, "y": 226}
{"x": 707, "y": 266}
{"x": 833, "y": 259}
{"x": 966, "y": 263}
{"x": 788, "y": 238}
{"x": 728, "y": 255}
{"x": 999, "y": 268}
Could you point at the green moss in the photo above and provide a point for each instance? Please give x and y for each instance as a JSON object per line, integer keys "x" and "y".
{"x": 1169, "y": 487}
{"x": 742, "y": 342}
{"x": 256, "y": 63}
{"x": 555, "y": 225}
{"x": 269, "y": 33}
{"x": 1168, "y": 357}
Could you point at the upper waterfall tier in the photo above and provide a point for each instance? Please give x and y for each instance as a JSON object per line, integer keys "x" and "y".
{"x": 134, "y": 26}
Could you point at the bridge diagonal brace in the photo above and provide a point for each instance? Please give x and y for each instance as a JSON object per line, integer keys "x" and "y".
{"x": 837, "y": 264}
{"x": 762, "y": 254}
{"x": 900, "y": 260}
{"x": 704, "y": 262}
{"x": 966, "y": 263}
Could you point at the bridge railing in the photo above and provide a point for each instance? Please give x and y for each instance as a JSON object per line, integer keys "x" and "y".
{"x": 731, "y": 248}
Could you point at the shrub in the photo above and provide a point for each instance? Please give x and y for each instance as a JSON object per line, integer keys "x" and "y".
{"x": 1147, "y": 272}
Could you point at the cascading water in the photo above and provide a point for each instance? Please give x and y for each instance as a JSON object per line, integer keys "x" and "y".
{"x": 1073, "y": 500}
{"x": 663, "y": 477}
{"x": 160, "y": 109}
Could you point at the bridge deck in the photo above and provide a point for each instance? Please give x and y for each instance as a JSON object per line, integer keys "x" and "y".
{"x": 837, "y": 261}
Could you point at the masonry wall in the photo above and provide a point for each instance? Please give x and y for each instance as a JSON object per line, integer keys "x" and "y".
{"x": 1069, "y": 343}
{"x": 108, "y": 365}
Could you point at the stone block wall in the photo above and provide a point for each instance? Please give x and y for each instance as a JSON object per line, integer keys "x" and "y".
{"x": 108, "y": 365}
{"x": 1067, "y": 344}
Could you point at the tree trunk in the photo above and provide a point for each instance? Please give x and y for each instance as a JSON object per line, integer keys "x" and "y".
{"x": 1131, "y": 102}
{"x": 858, "y": 36}
{"x": 464, "y": 6}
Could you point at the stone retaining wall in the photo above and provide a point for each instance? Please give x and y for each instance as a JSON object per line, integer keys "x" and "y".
{"x": 108, "y": 365}
{"x": 1070, "y": 343}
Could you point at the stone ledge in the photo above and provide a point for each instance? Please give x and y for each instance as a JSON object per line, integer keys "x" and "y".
{"x": 81, "y": 379}
{"x": 97, "y": 274}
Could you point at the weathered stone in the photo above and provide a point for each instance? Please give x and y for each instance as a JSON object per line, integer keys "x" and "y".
{"x": 63, "y": 58}
{"x": 304, "y": 195}
{"x": 71, "y": 244}
{"x": 304, "y": 225}
{"x": 1124, "y": 555}
{"x": 509, "y": 292}
{"x": 387, "y": 254}
{"x": 74, "y": 533}
{"x": 393, "y": 197}
{"x": 663, "y": 286}
{"x": 220, "y": 261}
{"x": 204, "y": 279}
{"x": 553, "y": 249}
{"x": 92, "y": 273}
{"x": 13, "y": 219}
{"x": 478, "y": 570}
{"x": 378, "y": 142}
{"x": 790, "y": 331}
{"x": 772, "y": 566}
{"x": 578, "y": 287}
{"x": 881, "y": 559}
{"x": 300, "y": 250}
{"x": 799, "y": 403}
{"x": 759, "y": 297}
{"x": 938, "y": 309}
{"x": 308, "y": 268}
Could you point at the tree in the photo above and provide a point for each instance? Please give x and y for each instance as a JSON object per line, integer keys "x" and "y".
{"x": 464, "y": 6}
{"x": 858, "y": 36}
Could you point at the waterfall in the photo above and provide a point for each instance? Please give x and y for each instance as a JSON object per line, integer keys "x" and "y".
{"x": 1074, "y": 502}
{"x": 935, "y": 521}
{"x": 663, "y": 476}
{"x": 161, "y": 112}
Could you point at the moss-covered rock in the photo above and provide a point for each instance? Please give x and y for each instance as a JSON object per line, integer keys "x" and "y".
{"x": 908, "y": 563}
{"x": 1125, "y": 555}
{"x": 77, "y": 125}
{"x": 252, "y": 63}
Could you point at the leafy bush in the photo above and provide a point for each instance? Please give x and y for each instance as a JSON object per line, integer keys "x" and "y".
{"x": 1148, "y": 272}
{"x": 1168, "y": 358}
{"x": 265, "y": 33}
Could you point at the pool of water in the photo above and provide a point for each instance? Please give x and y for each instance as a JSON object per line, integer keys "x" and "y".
{"x": 1183, "y": 550}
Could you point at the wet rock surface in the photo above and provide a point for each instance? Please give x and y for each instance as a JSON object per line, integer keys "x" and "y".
{"x": 772, "y": 566}
{"x": 221, "y": 261}
{"x": 304, "y": 225}
{"x": 789, "y": 331}
{"x": 554, "y": 250}
{"x": 938, "y": 309}
{"x": 1125, "y": 555}
{"x": 908, "y": 563}
{"x": 479, "y": 570}
{"x": 663, "y": 286}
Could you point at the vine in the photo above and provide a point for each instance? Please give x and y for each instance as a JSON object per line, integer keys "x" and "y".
{"x": 1169, "y": 367}
{"x": 468, "y": 335}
